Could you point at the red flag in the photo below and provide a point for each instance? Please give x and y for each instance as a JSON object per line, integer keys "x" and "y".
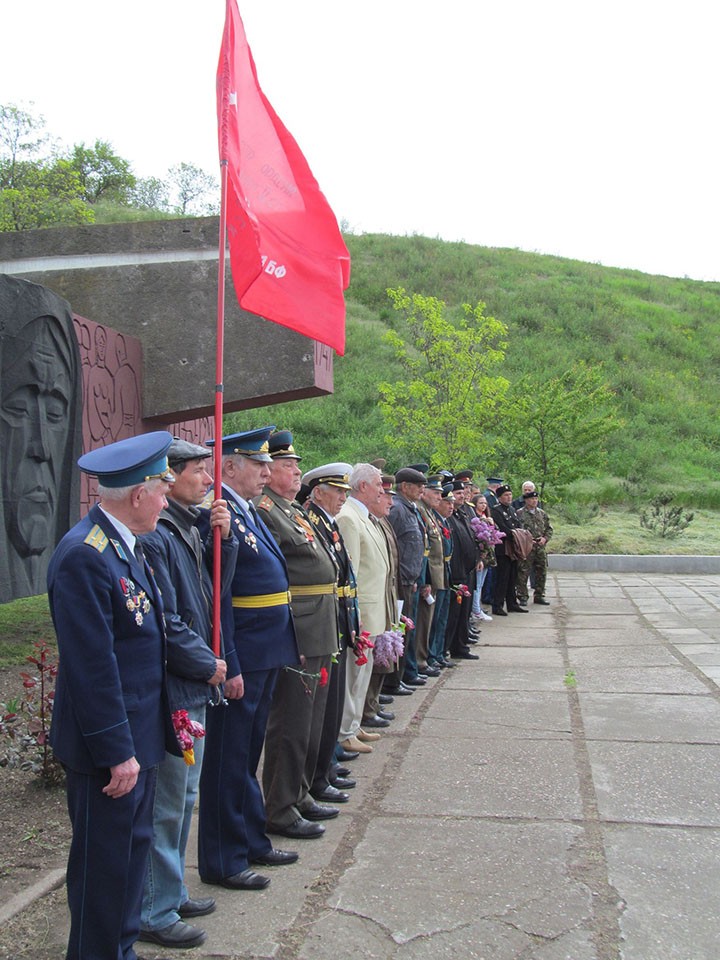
{"x": 289, "y": 261}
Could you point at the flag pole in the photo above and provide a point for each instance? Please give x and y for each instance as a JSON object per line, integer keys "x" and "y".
{"x": 219, "y": 355}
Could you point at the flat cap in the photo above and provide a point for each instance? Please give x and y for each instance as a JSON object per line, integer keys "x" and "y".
{"x": 182, "y": 450}
{"x": 410, "y": 475}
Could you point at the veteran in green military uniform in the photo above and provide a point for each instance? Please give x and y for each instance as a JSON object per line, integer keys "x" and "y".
{"x": 296, "y": 717}
{"x": 537, "y": 522}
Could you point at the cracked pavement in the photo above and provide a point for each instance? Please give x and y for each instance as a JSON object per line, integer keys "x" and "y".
{"x": 555, "y": 800}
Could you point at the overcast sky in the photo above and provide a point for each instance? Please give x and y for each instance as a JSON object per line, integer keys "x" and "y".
{"x": 580, "y": 128}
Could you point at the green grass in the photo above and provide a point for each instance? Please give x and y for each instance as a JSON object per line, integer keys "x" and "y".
{"x": 23, "y": 622}
{"x": 657, "y": 340}
{"x": 616, "y": 530}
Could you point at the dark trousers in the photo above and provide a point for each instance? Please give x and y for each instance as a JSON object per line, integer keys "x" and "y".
{"x": 231, "y": 826}
{"x": 505, "y": 577}
{"x": 331, "y": 725}
{"x": 106, "y": 866}
{"x": 293, "y": 740}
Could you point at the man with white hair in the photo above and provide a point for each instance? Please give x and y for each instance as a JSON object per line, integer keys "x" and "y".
{"x": 111, "y": 718}
{"x": 366, "y": 545}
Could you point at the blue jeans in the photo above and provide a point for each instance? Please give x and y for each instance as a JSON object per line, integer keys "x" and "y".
{"x": 477, "y": 593}
{"x": 177, "y": 788}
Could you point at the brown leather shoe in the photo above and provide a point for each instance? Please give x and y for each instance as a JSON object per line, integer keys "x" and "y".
{"x": 365, "y": 737}
{"x": 353, "y": 745}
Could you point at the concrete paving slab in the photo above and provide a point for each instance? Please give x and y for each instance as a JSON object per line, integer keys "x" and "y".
{"x": 539, "y": 636}
{"x": 668, "y": 881}
{"x": 531, "y": 714}
{"x": 508, "y": 678}
{"x": 648, "y": 718}
{"x": 516, "y": 875}
{"x": 495, "y": 778}
{"x": 578, "y": 636}
{"x": 622, "y": 679}
{"x": 666, "y": 783}
{"x": 637, "y": 655}
{"x": 602, "y": 606}
{"x": 624, "y": 621}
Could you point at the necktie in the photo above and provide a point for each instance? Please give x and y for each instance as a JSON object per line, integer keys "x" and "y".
{"x": 139, "y": 553}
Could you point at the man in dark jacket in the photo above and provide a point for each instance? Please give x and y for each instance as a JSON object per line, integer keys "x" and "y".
{"x": 506, "y": 520}
{"x": 177, "y": 555}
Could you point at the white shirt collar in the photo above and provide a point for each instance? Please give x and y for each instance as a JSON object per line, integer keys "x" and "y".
{"x": 126, "y": 533}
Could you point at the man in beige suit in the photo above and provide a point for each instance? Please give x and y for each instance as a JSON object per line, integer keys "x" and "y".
{"x": 366, "y": 545}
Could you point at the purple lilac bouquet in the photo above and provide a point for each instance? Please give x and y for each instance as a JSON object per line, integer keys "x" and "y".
{"x": 388, "y": 648}
{"x": 485, "y": 532}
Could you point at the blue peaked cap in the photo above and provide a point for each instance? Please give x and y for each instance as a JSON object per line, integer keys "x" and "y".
{"x": 129, "y": 462}
{"x": 251, "y": 443}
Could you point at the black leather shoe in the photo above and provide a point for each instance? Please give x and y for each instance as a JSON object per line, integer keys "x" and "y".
{"x": 402, "y": 691}
{"x": 343, "y": 783}
{"x": 385, "y": 698}
{"x": 319, "y": 811}
{"x": 375, "y": 721}
{"x": 197, "y": 908}
{"x": 446, "y": 664}
{"x": 276, "y": 858}
{"x": 331, "y": 794}
{"x": 471, "y": 640}
{"x": 416, "y": 682}
{"x": 301, "y": 829}
{"x": 429, "y": 672}
{"x": 498, "y": 612}
{"x": 178, "y": 934}
{"x": 466, "y": 656}
{"x": 386, "y": 714}
{"x": 246, "y": 880}
{"x": 347, "y": 755}
{"x": 542, "y": 600}
{"x": 518, "y": 609}
{"x": 340, "y": 772}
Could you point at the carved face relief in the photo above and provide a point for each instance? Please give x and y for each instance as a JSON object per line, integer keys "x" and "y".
{"x": 35, "y": 401}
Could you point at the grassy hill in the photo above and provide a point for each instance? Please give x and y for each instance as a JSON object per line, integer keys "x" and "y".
{"x": 657, "y": 339}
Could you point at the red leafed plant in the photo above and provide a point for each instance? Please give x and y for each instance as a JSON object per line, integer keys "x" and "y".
{"x": 25, "y": 720}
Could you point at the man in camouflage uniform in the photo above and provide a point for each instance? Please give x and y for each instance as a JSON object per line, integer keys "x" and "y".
{"x": 537, "y": 522}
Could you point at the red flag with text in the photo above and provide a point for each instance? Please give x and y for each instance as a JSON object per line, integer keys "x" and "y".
{"x": 288, "y": 258}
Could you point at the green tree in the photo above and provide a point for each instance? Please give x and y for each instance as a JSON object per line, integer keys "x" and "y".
{"x": 20, "y": 138}
{"x": 450, "y": 391}
{"x": 556, "y": 430}
{"x": 103, "y": 174}
{"x": 44, "y": 195}
{"x": 151, "y": 193}
{"x": 196, "y": 191}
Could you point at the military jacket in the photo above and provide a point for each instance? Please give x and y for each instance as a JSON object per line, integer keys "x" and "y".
{"x": 436, "y": 559}
{"x": 258, "y": 629}
{"x": 111, "y": 699}
{"x": 312, "y": 570}
{"x": 348, "y": 615}
{"x": 537, "y": 522}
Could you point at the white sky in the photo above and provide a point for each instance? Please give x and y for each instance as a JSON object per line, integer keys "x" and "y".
{"x": 573, "y": 127}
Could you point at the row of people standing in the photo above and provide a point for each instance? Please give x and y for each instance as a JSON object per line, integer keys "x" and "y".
{"x": 306, "y": 593}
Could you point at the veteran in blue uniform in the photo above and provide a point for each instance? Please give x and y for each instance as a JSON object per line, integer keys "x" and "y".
{"x": 111, "y": 720}
{"x": 259, "y": 639}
